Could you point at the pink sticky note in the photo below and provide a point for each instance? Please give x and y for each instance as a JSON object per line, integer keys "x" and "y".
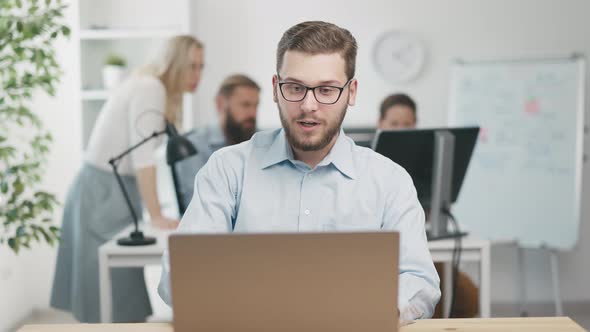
{"x": 483, "y": 135}
{"x": 532, "y": 106}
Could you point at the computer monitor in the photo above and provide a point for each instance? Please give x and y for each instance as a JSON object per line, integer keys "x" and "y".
{"x": 437, "y": 160}
{"x": 362, "y": 136}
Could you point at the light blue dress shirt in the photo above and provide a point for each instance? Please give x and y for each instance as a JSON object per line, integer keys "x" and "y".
{"x": 206, "y": 140}
{"x": 258, "y": 186}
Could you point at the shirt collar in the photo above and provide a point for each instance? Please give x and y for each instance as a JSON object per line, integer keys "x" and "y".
{"x": 278, "y": 151}
{"x": 340, "y": 155}
{"x": 216, "y": 136}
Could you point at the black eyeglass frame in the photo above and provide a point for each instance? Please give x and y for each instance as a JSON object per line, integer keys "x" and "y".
{"x": 307, "y": 88}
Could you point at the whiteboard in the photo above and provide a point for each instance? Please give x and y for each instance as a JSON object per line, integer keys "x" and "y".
{"x": 524, "y": 180}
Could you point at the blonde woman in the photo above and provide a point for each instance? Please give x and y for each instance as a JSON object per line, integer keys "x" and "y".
{"x": 95, "y": 209}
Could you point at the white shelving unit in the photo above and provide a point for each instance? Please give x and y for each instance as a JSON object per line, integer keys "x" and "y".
{"x": 94, "y": 94}
{"x": 133, "y": 29}
{"x": 106, "y": 34}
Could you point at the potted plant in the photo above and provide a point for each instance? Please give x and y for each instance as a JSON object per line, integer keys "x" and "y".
{"x": 27, "y": 65}
{"x": 113, "y": 71}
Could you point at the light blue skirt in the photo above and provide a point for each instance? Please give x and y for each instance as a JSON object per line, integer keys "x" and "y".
{"x": 94, "y": 212}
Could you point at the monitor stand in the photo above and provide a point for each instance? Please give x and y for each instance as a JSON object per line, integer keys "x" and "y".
{"x": 442, "y": 177}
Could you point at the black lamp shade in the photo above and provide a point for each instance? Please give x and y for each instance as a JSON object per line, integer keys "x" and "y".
{"x": 178, "y": 147}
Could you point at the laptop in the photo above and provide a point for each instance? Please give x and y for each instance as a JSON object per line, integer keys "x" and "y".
{"x": 285, "y": 282}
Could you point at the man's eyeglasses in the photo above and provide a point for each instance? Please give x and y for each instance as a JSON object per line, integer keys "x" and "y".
{"x": 324, "y": 94}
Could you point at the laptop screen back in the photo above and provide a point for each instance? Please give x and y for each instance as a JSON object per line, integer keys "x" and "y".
{"x": 285, "y": 282}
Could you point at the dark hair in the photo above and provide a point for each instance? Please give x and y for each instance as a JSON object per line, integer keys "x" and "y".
{"x": 317, "y": 37}
{"x": 231, "y": 83}
{"x": 395, "y": 100}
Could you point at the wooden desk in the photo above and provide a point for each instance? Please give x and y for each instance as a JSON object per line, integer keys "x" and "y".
{"x": 530, "y": 324}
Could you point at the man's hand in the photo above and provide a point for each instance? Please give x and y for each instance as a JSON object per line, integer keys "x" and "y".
{"x": 165, "y": 223}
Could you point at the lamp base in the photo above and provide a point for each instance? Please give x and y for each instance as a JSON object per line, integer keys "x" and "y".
{"x": 446, "y": 235}
{"x": 136, "y": 238}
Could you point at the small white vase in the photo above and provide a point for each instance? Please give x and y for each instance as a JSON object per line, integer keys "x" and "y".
{"x": 112, "y": 76}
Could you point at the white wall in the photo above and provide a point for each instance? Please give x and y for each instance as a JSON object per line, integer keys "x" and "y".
{"x": 13, "y": 304}
{"x": 62, "y": 117}
{"x": 241, "y": 36}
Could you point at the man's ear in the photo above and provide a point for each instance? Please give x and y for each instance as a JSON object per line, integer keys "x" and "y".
{"x": 352, "y": 88}
{"x": 220, "y": 104}
{"x": 275, "y": 86}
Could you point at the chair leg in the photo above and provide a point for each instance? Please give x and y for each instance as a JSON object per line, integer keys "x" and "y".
{"x": 555, "y": 279}
{"x": 522, "y": 281}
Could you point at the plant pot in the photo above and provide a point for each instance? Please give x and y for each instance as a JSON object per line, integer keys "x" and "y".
{"x": 112, "y": 76}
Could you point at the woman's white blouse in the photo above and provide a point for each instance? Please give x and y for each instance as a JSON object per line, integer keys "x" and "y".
{"x": 133, "y": 112}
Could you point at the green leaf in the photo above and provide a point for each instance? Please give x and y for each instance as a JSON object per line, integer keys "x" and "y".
{"x": 7, "y": 152}
{"x": 11, "y": 215}
{"x": 48, "y": 238}
{"x": 33, "y": 9}
{"x": 18, "y": 187}
{"x": 21, "y": 231}
{"x": 13, "y": 244}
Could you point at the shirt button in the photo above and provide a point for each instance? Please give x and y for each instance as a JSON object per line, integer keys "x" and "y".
{"x": 306, "y": 212}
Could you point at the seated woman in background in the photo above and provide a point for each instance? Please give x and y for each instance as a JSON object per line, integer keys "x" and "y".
{"x": 95, "y": 209}
{"x": 398, "y": 111}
